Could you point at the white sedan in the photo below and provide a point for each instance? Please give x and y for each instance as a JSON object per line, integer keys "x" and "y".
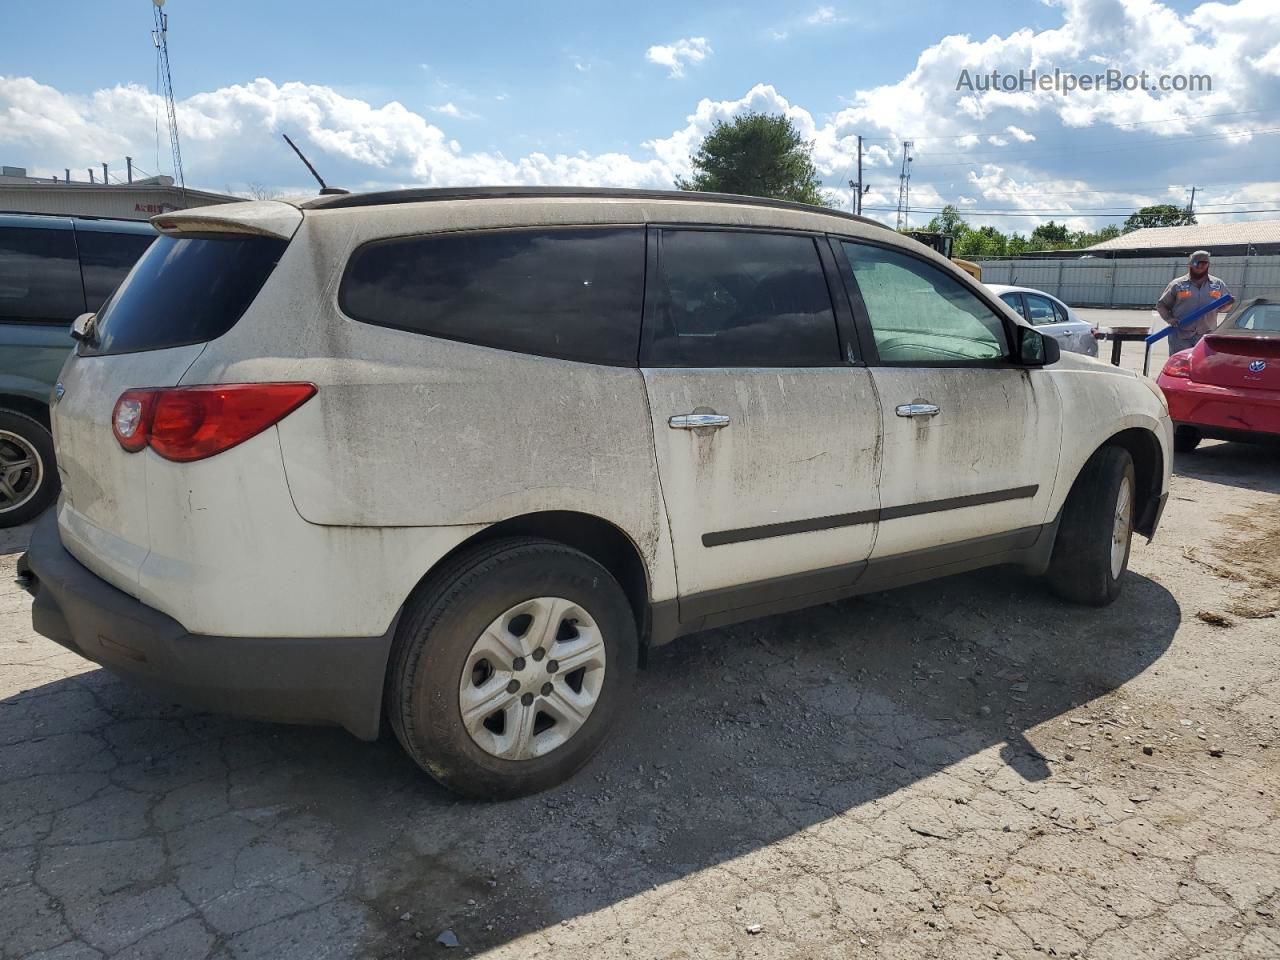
{"x": 1050, "y": 315}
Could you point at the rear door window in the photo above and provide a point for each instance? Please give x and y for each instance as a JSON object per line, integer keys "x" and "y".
{"x": 1042, "y": 310}
{"x": 570, "y": 292}
{"x": 185, "y": 290}
{"x": 919, "y": 314}
{"x": 39, "y": 275}
{"x": 106, "y": 259}
{"x": 740, "y": 299}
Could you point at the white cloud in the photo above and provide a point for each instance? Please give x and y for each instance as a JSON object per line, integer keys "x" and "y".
{"x": 1052, "y": 162}
{"x": 674, "y": 56}
{"x": 823, "y": 16}
{"x": 778, "y": 34}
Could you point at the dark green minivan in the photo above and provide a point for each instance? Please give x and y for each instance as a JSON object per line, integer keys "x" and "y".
{"x": 52, "y": 269}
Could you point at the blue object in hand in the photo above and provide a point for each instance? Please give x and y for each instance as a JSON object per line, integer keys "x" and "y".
{"x": 1192, "y": 317}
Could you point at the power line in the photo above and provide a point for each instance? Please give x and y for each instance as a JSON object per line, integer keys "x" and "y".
{"x": 1130, "y": 123}
{"x": 1163, "y": 141}
{"x": 1064, "y": 213}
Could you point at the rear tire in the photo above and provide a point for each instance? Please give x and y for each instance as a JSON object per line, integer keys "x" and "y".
{"x": 28, "y": 475}
{"x": 1185, "y": 439}
{"x": 487, "y": 634}
{"x": 1091, "y": 552}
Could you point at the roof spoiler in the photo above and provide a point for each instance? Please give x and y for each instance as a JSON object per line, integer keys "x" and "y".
{"x": 259, "y": 218}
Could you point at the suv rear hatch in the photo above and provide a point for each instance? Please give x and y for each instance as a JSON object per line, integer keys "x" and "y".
{"x": 190, "y": 287}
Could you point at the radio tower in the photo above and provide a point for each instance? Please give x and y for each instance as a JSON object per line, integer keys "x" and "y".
{"x": 160, "y": 37}
{"x": 904, "y": 187}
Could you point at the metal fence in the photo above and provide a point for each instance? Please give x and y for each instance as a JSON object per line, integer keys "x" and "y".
{"x": 1096, "y": 282}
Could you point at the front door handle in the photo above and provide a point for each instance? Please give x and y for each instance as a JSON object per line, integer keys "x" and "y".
{"x": 693, "y": 421}
{"x": 918, "y": 410}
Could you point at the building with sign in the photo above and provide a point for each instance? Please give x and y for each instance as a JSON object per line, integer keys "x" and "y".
{"x": 134, "y": 200}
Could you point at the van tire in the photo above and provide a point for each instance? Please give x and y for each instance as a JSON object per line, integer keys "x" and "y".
{"x": 1082, "y": 568}
{"x": 22, "y": 436}
{"x": 435, "y": 643}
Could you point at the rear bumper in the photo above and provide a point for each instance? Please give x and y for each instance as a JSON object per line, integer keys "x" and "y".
{"x": 312, "y": 680}
{"x": 1231, "y": 411}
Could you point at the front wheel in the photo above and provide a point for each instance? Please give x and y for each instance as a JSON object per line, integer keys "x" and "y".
{"x": 28, "y": 476}
{"x": 1091, "y": 552}
{"x": 511, "y": 667}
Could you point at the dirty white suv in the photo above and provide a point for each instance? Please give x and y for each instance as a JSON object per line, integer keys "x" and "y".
{"x": 457, "y": 458}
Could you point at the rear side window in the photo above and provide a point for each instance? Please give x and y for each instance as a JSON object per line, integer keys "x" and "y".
{"x": 919, "y": 314}
{"x": 572, "y": 292}
{"x": 39, "y": 275}
{"x": 105, "y": 260}
{"x": 185, "y": 290}
{"x": 741, "y": 299}
{"x": 1042, "y": 309}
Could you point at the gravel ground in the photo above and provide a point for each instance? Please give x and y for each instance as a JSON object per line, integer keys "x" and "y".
{"x": 961, "y": 769}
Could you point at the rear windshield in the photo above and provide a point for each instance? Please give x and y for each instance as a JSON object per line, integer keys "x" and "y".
{"x": 185, "y": 290}
{"x": 1261, "y": 318}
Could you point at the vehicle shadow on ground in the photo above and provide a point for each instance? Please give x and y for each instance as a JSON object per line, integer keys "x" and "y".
{"x": 287, "y": 842}
{"x": 1250, "y": 466}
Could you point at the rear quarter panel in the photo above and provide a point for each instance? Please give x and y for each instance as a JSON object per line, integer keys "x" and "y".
{"x": 409, "y": 431}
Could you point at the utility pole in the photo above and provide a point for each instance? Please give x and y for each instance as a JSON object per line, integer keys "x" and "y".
{"x": 68, "y": 172}
{"x": 128, "y": 162}
{"x": 856, "y": 185}
{"x": 904, "y": 188}
{"x": 104, "y": 174}
{"x": 1191, "y": 206}
{"x": 91, "y": 178}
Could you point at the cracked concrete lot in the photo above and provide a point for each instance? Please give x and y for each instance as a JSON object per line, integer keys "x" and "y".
{"x": 965, "y": 769}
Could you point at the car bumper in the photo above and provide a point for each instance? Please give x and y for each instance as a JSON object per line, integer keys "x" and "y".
{"x": 1237, "y": 411}
{"x": 312, "y": 680}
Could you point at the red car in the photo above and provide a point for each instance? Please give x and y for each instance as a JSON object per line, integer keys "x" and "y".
{"x": 1227, "y": 387}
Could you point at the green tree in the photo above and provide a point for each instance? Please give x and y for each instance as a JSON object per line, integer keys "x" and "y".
{"x": 1159, "y": 215}
{"x": 1050, "y": 236}
{"x": 757, "y": 155}
{"x": 983, "y": 242}
{"x": 948, "y": 221}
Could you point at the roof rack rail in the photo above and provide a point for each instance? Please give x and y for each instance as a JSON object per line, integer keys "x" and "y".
{"x": 423, "y": 194}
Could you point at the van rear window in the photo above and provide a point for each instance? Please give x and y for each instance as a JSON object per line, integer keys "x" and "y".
{"x": 569, "y": 292}
{"x": 185, "y": 290}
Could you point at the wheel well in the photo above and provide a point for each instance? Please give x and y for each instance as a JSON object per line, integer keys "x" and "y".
{"x": 32, "y": 408}
{"x": 597, "y": 538}
{"x": 1148, "y": 468}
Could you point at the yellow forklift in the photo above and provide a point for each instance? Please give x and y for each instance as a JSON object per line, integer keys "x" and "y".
{"x": 942, "y": 243}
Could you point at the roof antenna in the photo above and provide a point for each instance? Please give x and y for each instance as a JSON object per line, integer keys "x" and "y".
{"x": 325, "y": 189}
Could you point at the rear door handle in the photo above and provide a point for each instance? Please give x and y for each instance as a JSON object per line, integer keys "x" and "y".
{"x": 692, "y": 421}
{"x": 918, "y": 410}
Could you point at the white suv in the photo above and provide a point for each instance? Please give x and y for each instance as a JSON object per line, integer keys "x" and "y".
{"x": 458, "y": 458}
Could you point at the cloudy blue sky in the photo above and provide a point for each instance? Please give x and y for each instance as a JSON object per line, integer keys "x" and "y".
{"x": 589, "y": 93}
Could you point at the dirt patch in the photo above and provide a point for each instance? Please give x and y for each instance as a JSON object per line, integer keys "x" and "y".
{"x": 1250, "y": 554}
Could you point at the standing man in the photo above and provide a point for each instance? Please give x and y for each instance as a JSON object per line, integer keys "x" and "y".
{"x": 1184, "y": 295}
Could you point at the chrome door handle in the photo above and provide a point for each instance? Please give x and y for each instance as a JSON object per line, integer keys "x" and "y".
{"x": 692, "y": 421}
{"x": 918, "y": 410}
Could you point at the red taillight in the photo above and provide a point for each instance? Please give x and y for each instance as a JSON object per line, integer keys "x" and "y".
{"x": 191, "y": 423}
{"x": 1179, "y": 365}
{"x": 1098, "y": 334}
